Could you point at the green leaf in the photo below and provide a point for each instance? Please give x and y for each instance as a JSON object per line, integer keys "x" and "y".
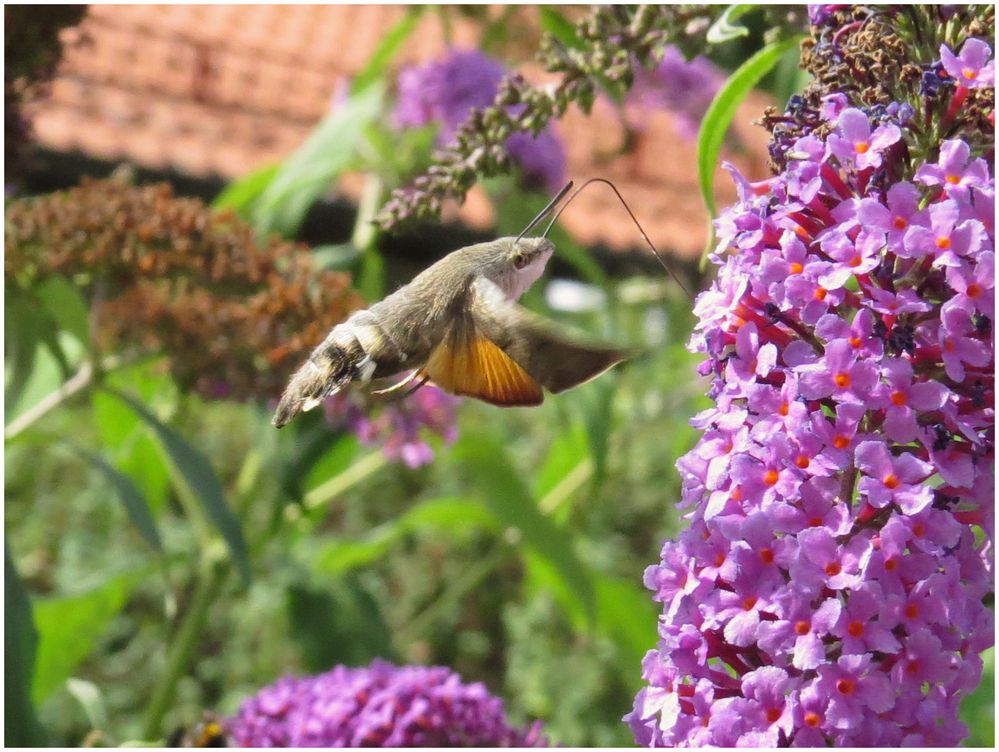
{"x": 241, "y": 195}
{"x": 21, "y": 338}
{"x": 568, "y": 449}
{"x": 723, "y": 29}
{"x": 722, "y": 110}
{"x": 69, "y": 625}
{"x": 308, "y": 173}
{"x": 129, "y": 444}
{"x": 66, "y": 305}
{"x": 48, "y": 371}
{"x": 386, "y": 50}
{"x": 20, "y": 725}
{"x": 598, "y": 401}
{"x": 202, "y": 481}
{"x": 441, "y": 515}
{"x": 559, "y": 27}
{"x": 338, "y": 257}
{"x": 505, "y": 494}
{"x": 627, "y": 615}
{"x": 134, "y": 502}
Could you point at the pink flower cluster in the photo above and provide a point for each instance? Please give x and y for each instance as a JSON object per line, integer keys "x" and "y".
{"x": 829, "y": 588}
{"x": 400, "y": 426}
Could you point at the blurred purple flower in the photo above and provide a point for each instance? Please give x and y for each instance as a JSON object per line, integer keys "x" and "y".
{"x": 446, "y": 91}
{"x": 683, "y": 87}
{"x": 380, "y": 705}
{"x": 398, "y": 426}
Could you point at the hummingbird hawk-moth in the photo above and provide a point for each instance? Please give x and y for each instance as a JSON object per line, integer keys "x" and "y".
{"x": 458, "y": 325}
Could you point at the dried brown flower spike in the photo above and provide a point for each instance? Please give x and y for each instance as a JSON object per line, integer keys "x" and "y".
{"x": 169, "y": 274}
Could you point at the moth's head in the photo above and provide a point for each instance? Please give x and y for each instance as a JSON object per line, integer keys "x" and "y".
{"x": 517, "y": 264}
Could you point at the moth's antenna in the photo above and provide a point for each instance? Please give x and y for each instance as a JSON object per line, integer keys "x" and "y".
{"x": 630, "y": 214}
{"x": 544, "y": 212}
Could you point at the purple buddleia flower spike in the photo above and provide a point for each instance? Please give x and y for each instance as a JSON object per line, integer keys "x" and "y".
{"x": 829, "y": 588}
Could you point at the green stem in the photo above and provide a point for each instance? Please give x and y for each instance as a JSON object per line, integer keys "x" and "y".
{"x": 358, "y": 471}
{"x": 86, "y": 377}
{"x": 76, "y": 384}
{"x": 183, "y": 646}
{"x": 566, "y": 487}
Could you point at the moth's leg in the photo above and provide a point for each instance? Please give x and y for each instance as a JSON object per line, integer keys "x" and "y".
{"x": 423, "y": 381}
{"x": 396, "y": 387}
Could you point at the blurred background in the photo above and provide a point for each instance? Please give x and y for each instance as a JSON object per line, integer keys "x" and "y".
{"x": 176, "y": 551}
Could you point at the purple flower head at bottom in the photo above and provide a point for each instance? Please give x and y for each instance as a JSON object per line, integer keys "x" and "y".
{"x": 380, "y": 705}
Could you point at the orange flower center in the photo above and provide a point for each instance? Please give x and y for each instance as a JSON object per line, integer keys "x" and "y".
{"x": 845, "y": 686}
{"x": 969, "y": 73}
{"x": 833, "y": 569}
{"x": 891, "y": 565}
{"x": 899, "y": 223}
{"x": 719, "y": 560}
{"x": 736, "y": 494}
{"x": 820, "y": 293}
{"x": 912, "y": 667}
{"x": 855, "y": 262}
{"x": 802, "y": 627}
{"x": 802, "y": 461}
{"x": 855, "y": 629}
{"x": 891, "y": 481}
{"x": 770, "y": 477}
{"x": 842, "y": 380}
{"x": 911, "y": 611}
{"x": 784, "y": 409}
{"x": 919, "y": 529}
{"x": 796, "y": 268}
{"x": 854, "y": 342}
{"x": 749, "y": 602}
{"x": 898, "y": 398}
{"x": 767, "y": 556}
{"x": 815, "y": 522}
{"x": 862, "y": 147}
{"x": 943, "y": 243}
{"x": 974, "y": 290}
{"x": 953, "y": 179}
{"x": 812, "y": 719}
{"x": 773, "y": 714}
{"x": 840, "y": 441}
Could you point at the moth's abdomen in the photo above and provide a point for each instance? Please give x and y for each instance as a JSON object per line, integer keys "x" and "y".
{"x": 331, "y": 366}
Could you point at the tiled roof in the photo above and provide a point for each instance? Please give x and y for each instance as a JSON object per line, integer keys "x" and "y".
{"x": 221, "y": 90}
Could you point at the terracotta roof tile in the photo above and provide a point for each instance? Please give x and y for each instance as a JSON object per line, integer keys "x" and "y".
{"x": 224, "y": 89}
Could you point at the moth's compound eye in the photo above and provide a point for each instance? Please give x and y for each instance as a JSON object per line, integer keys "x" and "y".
{"x": 519, "y": 260}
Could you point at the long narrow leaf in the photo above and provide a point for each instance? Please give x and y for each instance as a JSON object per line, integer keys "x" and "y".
{"x": 308, "y": 173}
{"x": 131, "y": 497}
{"x": 386, "y": 50}
{"x": 445, "y": 515}
{"x": 203, "y": 483}
{"x": 719, "y": 117}
{"x": 20, "y": 724}
{"x": 241, "y": 195}
{"x": 507, "y": 497}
